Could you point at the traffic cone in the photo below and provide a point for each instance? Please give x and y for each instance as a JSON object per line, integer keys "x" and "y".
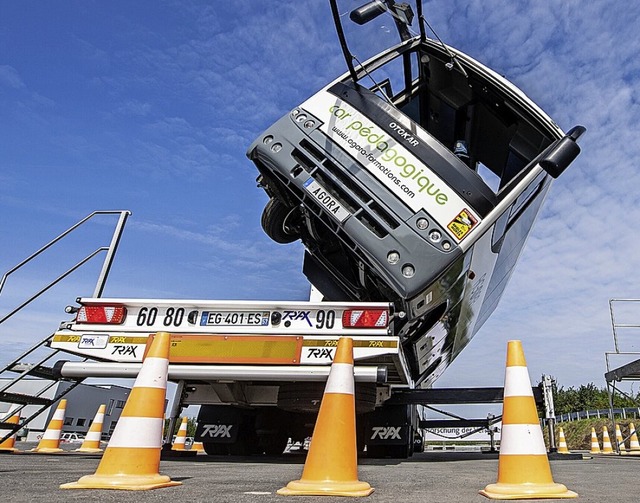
{"x": 132, "y": 457}
{"x": 50, "y": 441}
{"x": 331, "y": 467}
{"x": 595, "y": 446}
{"x": 562, "y": 443}
{"x": 198, "y": 447}
{"x": 523, "y": 466}
{"x": 8, "y": 444}
{"x": 620, "y": 441}
{"x": 606, "y": 441}
{"x": 634, "y": 446}
{"x": 181, "y": 437}
{"x": 94, "y": 435}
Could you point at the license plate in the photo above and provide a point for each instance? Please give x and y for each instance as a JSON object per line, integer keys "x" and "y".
{"x": 329, "y": 203}
{"x": 234, "y": 318}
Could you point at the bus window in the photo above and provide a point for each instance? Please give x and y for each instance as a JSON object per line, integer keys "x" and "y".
{"x": 489, "y": 177}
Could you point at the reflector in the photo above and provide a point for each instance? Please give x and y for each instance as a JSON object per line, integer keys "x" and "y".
{"x": 365, "y": 318}
{"x": 105, "y": 314}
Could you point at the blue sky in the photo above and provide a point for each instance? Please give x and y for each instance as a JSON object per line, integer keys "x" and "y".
{"x": 150, "y": 106}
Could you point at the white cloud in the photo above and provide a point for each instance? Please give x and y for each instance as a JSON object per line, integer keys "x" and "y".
{"x": 172, "y": 106}
{"x": 578, "y": 61}
{"x": 10, "y": 77}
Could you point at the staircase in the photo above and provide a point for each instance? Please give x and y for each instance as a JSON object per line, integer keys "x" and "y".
{"x": 16, "y": 371}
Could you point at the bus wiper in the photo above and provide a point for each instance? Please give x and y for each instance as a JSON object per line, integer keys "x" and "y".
{"x": 375, "y": 84}
{"x": 454, "y": 59}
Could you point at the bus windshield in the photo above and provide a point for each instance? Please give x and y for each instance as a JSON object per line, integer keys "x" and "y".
{"x": 486, "y": 122}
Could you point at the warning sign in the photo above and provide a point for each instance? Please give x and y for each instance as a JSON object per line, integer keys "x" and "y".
{"x": 462, "y": 224}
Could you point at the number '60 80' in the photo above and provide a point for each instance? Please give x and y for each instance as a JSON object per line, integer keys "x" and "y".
{"x": 147, "y": 316}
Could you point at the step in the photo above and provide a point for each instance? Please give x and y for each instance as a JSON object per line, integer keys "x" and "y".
{"x": 39, "y": 371}
{"x": 24, "y": 399}
{"x": 8, "y": 426}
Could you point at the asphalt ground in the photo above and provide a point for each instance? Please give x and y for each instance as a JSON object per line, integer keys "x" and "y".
{"x": 440, "y": 477}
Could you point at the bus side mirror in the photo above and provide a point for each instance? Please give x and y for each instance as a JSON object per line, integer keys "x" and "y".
{"x": 562, "y": 153}
{"x": 403, "y": 13}
{"x": 367, "y": 12}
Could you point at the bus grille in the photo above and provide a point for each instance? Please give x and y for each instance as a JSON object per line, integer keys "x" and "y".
{"x": 342, "y": 186}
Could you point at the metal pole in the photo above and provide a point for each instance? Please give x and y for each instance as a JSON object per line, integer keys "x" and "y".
{"x": 612, "y": 413}
{"x": 108, "y": 260}
{"x": 492, "y": 433}
{"x": 549, "y": 410}
{"x": 176, "y": 408}
{"x": 343, "y": 42}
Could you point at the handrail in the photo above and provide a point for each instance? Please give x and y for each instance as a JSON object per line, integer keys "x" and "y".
{"x": 615, "y": 324}
{"x": 102, "y": 278}
{"x": 106, "y": 266}
{"x": 53, "y": 283}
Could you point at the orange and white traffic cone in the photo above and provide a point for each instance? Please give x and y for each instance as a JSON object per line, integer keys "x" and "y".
{"x": 620, "y": 441}
{"x": 606, "y": 441}
{"x": 50, "y": 441}
{"x": 331, "y": 467}
{"x": 523, "y": 466}
{"x": 94, "y": 435}
{"x": 634, "y": 446}
{"x": 8, "y": 444}
{"x": 132, "y": 457}
{"x": 181, "y": 436}
{"x": 595, "y": 446}
{"x": 198, "y": 447}
{"x": 562, "y": 443}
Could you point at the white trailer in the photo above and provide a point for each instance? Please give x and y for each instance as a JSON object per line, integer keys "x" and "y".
{"x": 257, "y": 369}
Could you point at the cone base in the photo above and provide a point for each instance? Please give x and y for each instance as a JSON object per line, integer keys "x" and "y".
{"x": 502, "y": 491}
{"x": 47, "y": 450}
{"x": 326, "y": 488}
{"x": 122, "y": 482}
{"x": 92, "y": 450}
{"x": 13, "y": 449}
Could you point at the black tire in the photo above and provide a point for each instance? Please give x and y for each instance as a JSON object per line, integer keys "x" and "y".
{"x": 274, "y": 220}
{"x": 388, "y": 451}
{"x": 216, "y": 449}
{"x": 273, "y": 444}
{"x": 246, "y": 443}
{"x": 271, "y": 430}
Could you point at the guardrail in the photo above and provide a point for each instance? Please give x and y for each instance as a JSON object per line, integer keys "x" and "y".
{"x": 624, "y": 413}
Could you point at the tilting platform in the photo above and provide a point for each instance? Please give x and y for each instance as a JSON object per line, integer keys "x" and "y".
{"x": 628, "y": 372}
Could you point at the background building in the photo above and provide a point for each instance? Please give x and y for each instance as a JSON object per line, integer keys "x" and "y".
{"x": 82, "y": 405}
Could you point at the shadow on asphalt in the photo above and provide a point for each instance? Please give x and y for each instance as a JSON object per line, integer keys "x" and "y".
{"x": 299, "y": 458}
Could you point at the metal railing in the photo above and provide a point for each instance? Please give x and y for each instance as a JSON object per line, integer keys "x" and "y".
{"x": 106, "y": 266}
{"x": 620, "y": 412}
{"x": 627, "y": 372}
{"x": 35, "y": 369}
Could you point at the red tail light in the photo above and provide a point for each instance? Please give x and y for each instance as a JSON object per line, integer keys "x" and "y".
{"x": 365, "y": 318}
{"x": 104, "y": 315}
